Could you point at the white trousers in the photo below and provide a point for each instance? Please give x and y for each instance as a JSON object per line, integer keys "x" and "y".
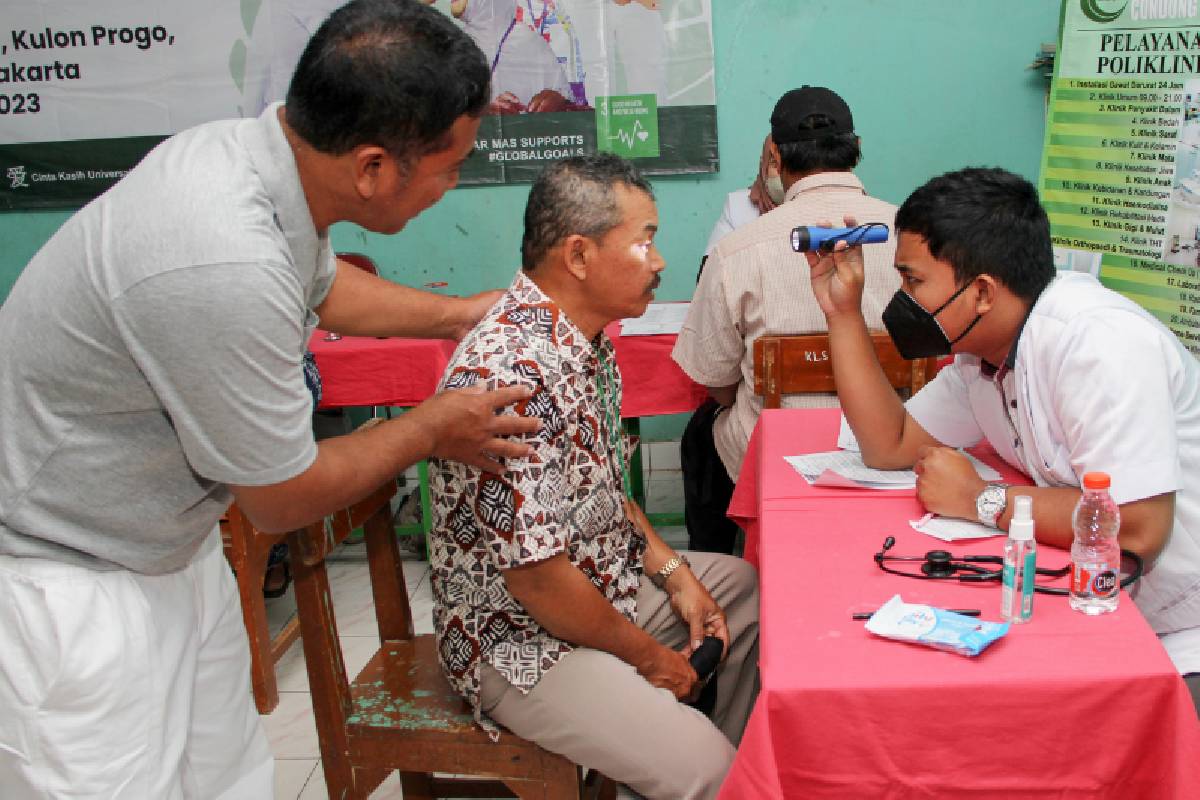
{"x": 126, "y": 687}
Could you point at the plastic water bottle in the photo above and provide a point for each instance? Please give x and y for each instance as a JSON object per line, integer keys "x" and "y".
{"x": 1020, "y": 564}
{"x": 1095, "y": 554}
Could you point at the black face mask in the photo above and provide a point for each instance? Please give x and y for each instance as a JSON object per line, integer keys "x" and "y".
{"x": 915, "y": 331}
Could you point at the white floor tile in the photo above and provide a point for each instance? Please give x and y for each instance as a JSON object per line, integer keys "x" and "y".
{"x": 291, "y": 775}
{"x": 665, "y": 495}
{"x": 423, "y": 581}
{"x": 421, "y": 605}
{"x": 665, "y": 456}
{"x": 356, "y": 652}
{"x": 315, "y": 789}
{"x": 353, "y": 602}
{"x": 415, "y": 572}
{"x": 280, "y": 610}
{"x": 292, "y": 674}
{"x": 389, "y": 789}
{"x": 291, "y": 729}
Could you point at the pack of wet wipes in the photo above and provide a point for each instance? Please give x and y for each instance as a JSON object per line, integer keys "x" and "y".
{"x": 934, "y": 627}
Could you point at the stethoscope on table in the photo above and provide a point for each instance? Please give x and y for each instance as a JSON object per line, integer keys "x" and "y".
{"x": 943, "y": 565}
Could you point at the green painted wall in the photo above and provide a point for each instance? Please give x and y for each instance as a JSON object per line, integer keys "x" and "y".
{"x": 934, "y": 85}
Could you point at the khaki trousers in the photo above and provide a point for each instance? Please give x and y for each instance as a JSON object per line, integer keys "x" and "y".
{"x": 598, "y": 711}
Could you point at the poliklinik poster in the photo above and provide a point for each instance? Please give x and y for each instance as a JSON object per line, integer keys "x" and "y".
{"x": 88, "y": 87}
{"x": 1120, "y": 172}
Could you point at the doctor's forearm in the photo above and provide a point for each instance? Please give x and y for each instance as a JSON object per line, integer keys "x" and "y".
{"x": 872, "y": 407}
{"x": 1145, "y": 524}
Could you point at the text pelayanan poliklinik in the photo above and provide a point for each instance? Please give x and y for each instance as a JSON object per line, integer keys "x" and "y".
{"x": 1149, "y": 53}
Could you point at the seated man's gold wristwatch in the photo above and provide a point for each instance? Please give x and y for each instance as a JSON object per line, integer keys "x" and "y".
{"x": 668, "y": 569}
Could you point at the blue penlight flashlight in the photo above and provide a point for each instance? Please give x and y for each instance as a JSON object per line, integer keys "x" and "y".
{"x": 810, "y": 237}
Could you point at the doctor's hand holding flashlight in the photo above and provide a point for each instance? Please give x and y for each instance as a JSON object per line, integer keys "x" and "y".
{"x": 837, "y": 277}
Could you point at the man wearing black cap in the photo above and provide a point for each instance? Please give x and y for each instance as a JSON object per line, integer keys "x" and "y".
{"x": 754, "y": 284}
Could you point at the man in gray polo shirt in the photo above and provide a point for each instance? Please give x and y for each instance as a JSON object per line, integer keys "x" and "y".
{"x": 151, "y": 372}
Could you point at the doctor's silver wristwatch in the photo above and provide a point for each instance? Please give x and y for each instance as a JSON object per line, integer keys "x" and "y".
{"x": 991, "y": 502}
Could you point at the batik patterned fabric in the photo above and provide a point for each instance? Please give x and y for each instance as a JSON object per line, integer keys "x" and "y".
{"x": 566, "y": 497}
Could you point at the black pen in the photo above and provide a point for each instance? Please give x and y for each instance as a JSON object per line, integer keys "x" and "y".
{"x": 966, "y": 612}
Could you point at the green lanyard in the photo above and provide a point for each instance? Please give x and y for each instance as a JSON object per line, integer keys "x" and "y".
{"x": 610, "y": 401}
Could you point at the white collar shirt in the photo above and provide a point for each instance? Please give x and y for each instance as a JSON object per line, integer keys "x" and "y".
{"x": 1096, "y": 384}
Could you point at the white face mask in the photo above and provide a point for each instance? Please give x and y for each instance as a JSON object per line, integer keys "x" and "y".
{"x": 775, "y": 189}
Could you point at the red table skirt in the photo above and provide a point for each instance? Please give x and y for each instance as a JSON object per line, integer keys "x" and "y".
{"x": 358, "y": 371}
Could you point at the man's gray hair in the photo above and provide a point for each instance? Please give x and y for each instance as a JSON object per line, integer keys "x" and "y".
{"x": 575, "y": 196}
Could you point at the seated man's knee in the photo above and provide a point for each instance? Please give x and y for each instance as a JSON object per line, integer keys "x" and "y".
{"x": 708, "y": 773}
{"x": 696, "y": 765}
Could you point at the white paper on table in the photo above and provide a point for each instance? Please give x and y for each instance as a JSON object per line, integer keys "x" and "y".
{"x": 835, "y": 479}
{"x": 949, "y": 529}
{"x": 848, "y": 465}
{"x": 659, "y": 318}
{"x": 849, "y": 471}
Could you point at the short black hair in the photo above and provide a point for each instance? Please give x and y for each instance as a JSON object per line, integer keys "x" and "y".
{"x": 984, "y": 221}
{"x": 837, "y": 152}
{"x": 575, "y": 196}
{"x": 392, "y": 73}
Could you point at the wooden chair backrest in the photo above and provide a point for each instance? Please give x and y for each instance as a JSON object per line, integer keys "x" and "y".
{"x": 329, "y": 685}
{"x": 799, "y": 364}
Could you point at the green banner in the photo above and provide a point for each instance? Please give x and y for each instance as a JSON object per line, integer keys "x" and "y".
{"x": 1120, "y": 174}
{"x": 66, "y": 174}
{"x": 87, "y": 87}
{"x": 513, "y": 149}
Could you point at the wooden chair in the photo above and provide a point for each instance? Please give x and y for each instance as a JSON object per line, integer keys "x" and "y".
{"x": 799, "y": 364}
{"x": 247, "y": 550}
{"x": 401, "y": 713}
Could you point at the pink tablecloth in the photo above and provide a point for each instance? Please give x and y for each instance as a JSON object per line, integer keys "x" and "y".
{"x": 359, "y": 371}
{"x": 363, "y": 371}
{"x": 1065, "y": 706}
{"x": 769, "y": 482}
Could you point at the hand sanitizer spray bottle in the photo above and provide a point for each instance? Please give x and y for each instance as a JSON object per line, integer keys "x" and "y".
{"x": 1020, "y": 564}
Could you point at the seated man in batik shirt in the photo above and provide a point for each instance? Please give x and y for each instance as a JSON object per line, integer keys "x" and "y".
{"x": 560, "y": 614}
